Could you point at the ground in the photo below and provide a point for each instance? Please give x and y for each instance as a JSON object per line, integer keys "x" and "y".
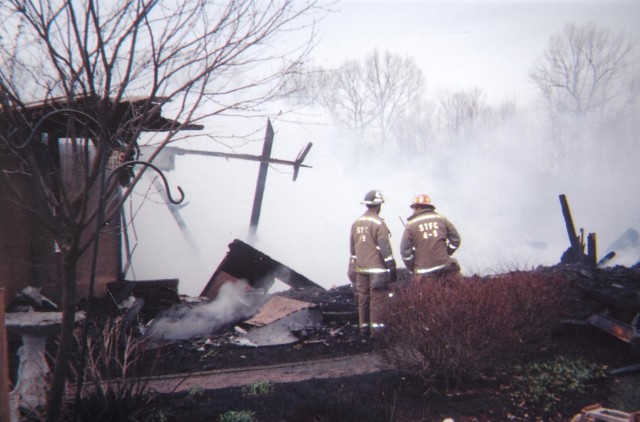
{"x": 381, "y": 394}
{"x": 386, "y": 395}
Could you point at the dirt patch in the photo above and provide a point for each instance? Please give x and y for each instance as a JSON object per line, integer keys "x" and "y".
{"x": 339, "y": 367}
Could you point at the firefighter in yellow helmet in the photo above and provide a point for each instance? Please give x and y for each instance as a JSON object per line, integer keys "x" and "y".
{"x": 428, "y": 241}
{"x": 371, "y": 266}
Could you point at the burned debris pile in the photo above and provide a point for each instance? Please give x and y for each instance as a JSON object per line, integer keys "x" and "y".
{"x": 607, "y": 299}
{"x": 610, "y": 296}
{"x": 295, "y": 325}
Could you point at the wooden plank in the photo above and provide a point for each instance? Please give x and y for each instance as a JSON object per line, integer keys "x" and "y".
{"x": 277, "y": 307}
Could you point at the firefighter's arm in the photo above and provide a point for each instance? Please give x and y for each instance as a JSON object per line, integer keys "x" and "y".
{"x": 383, "y": 239}
{"x": 406, "y": 249}
{"x": 351, "y": 271}
{"x": 384, "y": 245}
{"x": 453, "y": 239}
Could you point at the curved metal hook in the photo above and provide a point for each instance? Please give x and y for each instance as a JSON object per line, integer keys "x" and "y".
{"x": 162, "y": 176}
{"x": 53, "y": 113}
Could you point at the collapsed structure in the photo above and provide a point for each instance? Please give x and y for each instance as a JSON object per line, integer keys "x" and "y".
{"x": 616, "y": 295}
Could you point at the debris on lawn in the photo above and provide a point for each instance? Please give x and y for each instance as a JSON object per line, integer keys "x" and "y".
{"x": 616, "y": 296}
{"x": 235, "y": 302}
{"x": 238, "y": 293}
{"x": 277, "y": 321}
{"x": 598, "y": 413}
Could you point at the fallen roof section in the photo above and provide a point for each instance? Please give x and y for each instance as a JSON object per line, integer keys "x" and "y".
{"x": 244, "y": 262}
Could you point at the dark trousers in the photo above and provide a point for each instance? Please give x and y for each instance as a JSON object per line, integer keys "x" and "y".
{"x": 372, "y": 293}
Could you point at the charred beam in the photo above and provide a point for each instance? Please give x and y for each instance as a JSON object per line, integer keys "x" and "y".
{"x": 262, "y": 180}
{"x": 575, "y": 252}
{"x": 622, "y": 331}
{"x": 592, "y": 249}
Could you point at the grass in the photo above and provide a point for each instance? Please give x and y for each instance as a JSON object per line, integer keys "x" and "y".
{"x": 261, "y": 388}
{"x": 237, "y": 416}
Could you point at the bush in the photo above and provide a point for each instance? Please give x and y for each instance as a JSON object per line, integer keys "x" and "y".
{"x": 113, "y": 389}
{"x": 461, "y": 329}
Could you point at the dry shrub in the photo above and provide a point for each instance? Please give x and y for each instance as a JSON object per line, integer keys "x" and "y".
{"x": 113, "y": 388}
{"x": 461, "y": 329}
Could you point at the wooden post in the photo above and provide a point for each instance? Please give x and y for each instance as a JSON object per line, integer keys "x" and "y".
{"x": 575, "y": 253}
{"x": 571, "y": 230}
{"x": 262, "y": 179}
{"x": 592, "y": 249}
{"x": 4, "y": 364}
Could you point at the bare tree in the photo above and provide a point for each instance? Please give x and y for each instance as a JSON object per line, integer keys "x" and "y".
{"x": 395, "y": 84}
{"x": 370, "y": 94}
{"x": 587, "y": 69}
{"x": 460, "y": 110}
{"x": 80, "y": 60}
{"x": 351, "y": 97}
{"x": 415, "y": 131}
{"x": 311, "y": 85}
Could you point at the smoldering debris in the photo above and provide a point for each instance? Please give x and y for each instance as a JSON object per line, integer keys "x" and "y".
{"x": 235, "y": 302}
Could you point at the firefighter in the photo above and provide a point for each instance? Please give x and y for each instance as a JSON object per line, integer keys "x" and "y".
{"x": 371, "y": 266}
{"x": 428, "y": 241}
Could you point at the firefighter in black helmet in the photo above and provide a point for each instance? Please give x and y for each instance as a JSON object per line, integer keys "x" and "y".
{"x": 371, "y": 266}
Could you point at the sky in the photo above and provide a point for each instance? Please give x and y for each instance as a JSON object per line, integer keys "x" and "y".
{"x": 473, "y": 43}
{"x": 505, "y": 205}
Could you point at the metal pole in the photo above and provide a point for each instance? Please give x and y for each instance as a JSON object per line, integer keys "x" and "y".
{"x": 262, "y": 179}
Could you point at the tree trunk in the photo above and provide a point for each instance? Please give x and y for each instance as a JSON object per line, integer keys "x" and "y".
{"x": 63, "y": 357}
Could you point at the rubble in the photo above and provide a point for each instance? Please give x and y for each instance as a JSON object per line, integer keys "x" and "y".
{"x": 277, "y": 321}
{"x": 609, "y": 299}
{"x": 156, "y": 295}
{"x": 598, "y": 413}
{"x": 614, "y": 293}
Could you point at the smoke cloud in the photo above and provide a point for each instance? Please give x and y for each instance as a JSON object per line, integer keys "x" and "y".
{"x": 500, "y": 188}
{"x": 499, "y": 184}
{"x": 232, "y": 305}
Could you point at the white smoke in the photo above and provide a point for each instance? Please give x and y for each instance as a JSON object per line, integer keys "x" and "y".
{"x": 231, "y": 305}
{"x": 500, "y": 188}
